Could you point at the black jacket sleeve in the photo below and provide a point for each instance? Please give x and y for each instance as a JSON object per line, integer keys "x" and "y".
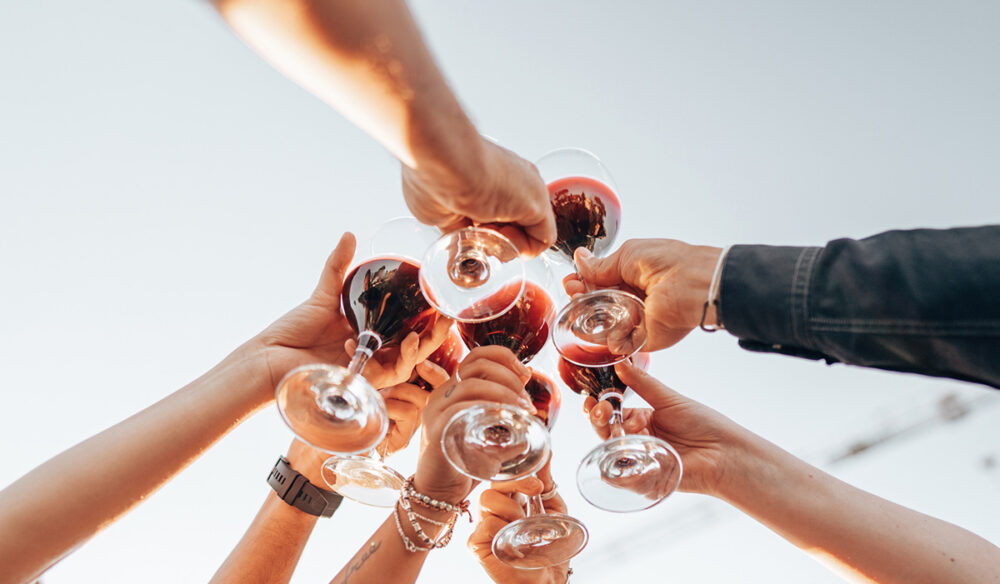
{"x": 924, "y": 301}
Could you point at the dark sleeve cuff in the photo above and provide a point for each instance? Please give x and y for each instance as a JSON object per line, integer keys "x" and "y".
{"x": 764, "y": 293}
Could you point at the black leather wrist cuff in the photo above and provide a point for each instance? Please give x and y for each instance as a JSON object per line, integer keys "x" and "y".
{"x": 296, "y": 490}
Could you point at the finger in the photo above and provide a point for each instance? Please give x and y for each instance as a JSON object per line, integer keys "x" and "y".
{"x": 573, "y": 285}
{"x": 530, "y": 486}
{"x": 501, "y": 505}
{"x": 495, "y": 372}
{"x": 432, "y": 373}
{"x": 598, "y": 271}
{"x": 657, "y": 395}
{"x": 588, "y": 404}
{"x": 406, "y": 392}
{"x": 407, "y": 358}
{"x": 430, "y": 340}
{"x": 600, "y": 418}
{"x": 332, "y": 278}
{"x": 470, "y": 392}
{"x": 481, "y": 540}
{"x": 404, "y": 419}
{"x": 545, "y": 476}
{"x": 501, "y": 355}
{"x": 542, "y": 233}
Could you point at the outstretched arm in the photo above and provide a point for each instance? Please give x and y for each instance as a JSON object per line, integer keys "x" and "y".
{"x": 65, "y": 501}
{"x": 865, "y": 537}
{"x": 366, "y": 58}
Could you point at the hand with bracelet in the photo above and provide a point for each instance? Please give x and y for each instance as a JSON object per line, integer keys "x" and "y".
{"x": 857, "y": 533}
{"x": 501, "y": 505}
{"x": 68, "y": 499}
{"x": 435, "y": 497}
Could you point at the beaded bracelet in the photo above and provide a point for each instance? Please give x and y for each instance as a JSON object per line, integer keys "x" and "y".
{"x": 410, "y": 492}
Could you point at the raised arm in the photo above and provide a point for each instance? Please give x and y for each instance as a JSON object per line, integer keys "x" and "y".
{"x": 65, "y": 501}
{"x": 270, "y": 549}
{"x": 366, "y": 58}
{"x": 488, "y": 374}
{"x": 864, "y": 537}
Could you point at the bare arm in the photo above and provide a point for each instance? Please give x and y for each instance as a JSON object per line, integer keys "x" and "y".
{"x": 864, "y": 537}
{"x": 271, "y": 547}
{"x": 65, "y": 501}
{"x": 367, "y": 59}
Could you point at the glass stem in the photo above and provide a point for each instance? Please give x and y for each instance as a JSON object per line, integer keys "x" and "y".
{"x": 368, "y": 343}
{"x": 617, "y": 420}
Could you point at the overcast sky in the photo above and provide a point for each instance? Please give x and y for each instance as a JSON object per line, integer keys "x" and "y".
{"x": 164, "y": 195}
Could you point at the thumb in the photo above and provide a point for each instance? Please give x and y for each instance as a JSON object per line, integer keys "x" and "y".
{"x": 332, "y": 278}
{"x": 657, "y": 395}
{"x": 599, "y": 271}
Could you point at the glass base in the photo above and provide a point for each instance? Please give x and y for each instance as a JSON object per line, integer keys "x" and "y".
{"x": 472, "y": 275}
{"x": 540, "y": 541}
{"x": 495, "y": 442}
{"x": 630, "y": 473}
{"x": 600, "y": 328}
{"x": 331, "y": 410}
{"x": 363, "y": 479}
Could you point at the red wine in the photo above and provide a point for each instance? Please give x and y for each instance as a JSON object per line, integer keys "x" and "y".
{"x": 523, "y": 329}
{"x": 587, "y": 215}
{"x": 594, "y": 381}
{"x": 545, "y": 396}
{"x": 447, "y": 356}
{"x": 382, "y": 295}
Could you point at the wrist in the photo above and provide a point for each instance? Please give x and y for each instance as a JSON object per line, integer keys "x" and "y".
{"x": 248, "y": 363}
{"x": 454, "y": 489}
{"x": 749, "y": 466}
{"x": 702, "y": 262}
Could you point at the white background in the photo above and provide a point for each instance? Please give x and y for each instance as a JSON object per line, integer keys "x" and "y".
{"x": 164, "y": 195}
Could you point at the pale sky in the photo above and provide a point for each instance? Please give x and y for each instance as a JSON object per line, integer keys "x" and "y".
{"x": 164, "y": 195}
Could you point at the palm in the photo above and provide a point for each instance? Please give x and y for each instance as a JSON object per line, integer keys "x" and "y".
{"x": 310, "y": 333}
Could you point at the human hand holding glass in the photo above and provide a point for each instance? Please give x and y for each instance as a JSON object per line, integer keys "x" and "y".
{"x": 335, "y": 409}
{"x": 627, "y": 472}
{"x": 597, "y": 327}
{"x": 500, "y": 508}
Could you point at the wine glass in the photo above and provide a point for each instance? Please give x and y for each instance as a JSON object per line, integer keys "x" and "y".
{"x": 625, "y": 472}
{"x": 469, "y": 275}
{"x": 334, "y": 408}
{"x": 541, "y": 539}
{"x": 499, "y": 442}
{"x": 600, "y": 327}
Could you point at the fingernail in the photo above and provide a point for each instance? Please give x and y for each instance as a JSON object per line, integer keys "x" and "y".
{"x": 585, "y": 253}
{"x": 526, "y": 404}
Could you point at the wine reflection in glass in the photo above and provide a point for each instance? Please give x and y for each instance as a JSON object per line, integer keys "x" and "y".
{"x": 626, "y": 472}
{"x": 334, "y": 408}
{"x": 600, "y": 327}
{"x": 541, "y": 539}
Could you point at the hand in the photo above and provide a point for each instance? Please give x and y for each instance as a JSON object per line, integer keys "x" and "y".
{"x": 672, "y": 277}
{"x": 317, "y": 332}
{"x": 709, "y": 443}
{"x": 498, "y": 507}
{"x": 499, "y": 187}
{"x": 488, "y": 375}
{"x": 405, "y": 402}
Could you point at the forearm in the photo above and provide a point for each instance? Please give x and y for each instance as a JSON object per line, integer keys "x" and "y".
{"x": 366, "y": 58}
{"x": 69, "y": 498}
{"x": 863, "y": 536}
{"x": 924, "y": 301}
{"x": 271, "y": 547}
